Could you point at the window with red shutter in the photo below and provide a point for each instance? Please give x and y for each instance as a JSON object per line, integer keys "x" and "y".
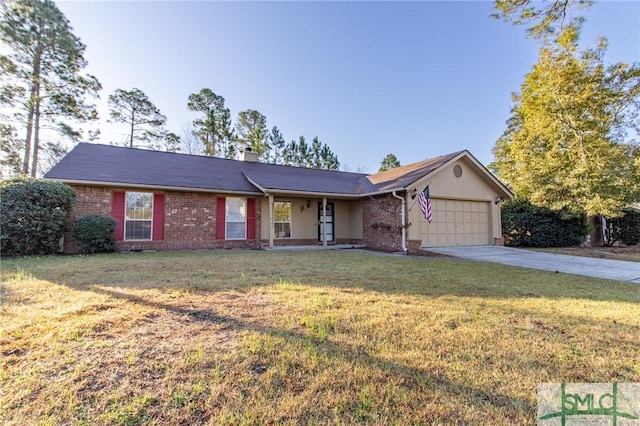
{"x": 221, "y": 213}
{"x": 251, "y": 219}
{"x": 158, "y": 217}
{"x": 117, "y": 212}
{"x": 139, "y": 216}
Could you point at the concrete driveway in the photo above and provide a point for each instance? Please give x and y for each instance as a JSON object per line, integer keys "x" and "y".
{"x": 591, "y": 267}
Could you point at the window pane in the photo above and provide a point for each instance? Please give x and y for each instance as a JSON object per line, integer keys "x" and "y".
{"x": 236, "y": 230}
{"x": 138, "y": 230}
{"x": 236, "y": 218}
{"x": 236, "y": 209}
{"x": 282, "y": 230}
{"x": 139, "y": 205}
{"x": 282, "y": 211}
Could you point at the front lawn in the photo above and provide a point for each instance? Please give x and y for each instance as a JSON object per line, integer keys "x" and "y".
{"x": 317, "y": 337}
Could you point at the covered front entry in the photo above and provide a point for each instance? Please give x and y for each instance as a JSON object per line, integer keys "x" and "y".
{"x": 329, "y": 221}
{"x": 457, "y": 223}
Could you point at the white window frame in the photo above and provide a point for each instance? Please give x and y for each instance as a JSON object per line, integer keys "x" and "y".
{"x": 127, "y": 219}
{"x": 275, "y": 221}
{"x": 243, "y": 213}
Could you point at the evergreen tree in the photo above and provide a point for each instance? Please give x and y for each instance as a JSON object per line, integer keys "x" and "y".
{"x": 389, "y": 162}
{"x": 133, "y": 107}
{"x": 277, "y": 143}
{"x": 251, "y": 132}
{"x": 42, "y": 73}
{"x": 214, "y": 126}
{"x": 317, "y": 156}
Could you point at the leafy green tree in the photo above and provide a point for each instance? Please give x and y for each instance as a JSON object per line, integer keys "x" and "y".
{"x": 389, "y": 162}
{"x": 251, "y": 132}
{"x": 133, "y": 107}
{"x": 568, "y": 143}
{"x": 42, "y": 73}
{"x": 214, "y": 126}
{"x": 543, "y": 18}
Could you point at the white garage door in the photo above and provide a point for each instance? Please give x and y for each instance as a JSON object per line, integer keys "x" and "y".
{"x": 456, "y": 223}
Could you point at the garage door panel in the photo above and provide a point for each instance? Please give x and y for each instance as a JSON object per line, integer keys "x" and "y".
{"x": 456, "y": 222}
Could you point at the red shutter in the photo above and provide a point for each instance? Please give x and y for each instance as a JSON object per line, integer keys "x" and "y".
{"x": 117, "y": 212}
{"x": 221, "y": 218}
{"x": 251, "y": 218}
{"x": 158, "y": 217}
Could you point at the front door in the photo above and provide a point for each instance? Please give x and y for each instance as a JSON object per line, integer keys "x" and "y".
{"x": 328, "y": 221}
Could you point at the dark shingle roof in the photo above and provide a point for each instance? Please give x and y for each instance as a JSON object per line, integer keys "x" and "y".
{"x": 93, "y": 163}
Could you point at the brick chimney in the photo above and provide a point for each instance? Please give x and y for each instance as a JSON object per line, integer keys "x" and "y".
{"x": 249, "y": 155}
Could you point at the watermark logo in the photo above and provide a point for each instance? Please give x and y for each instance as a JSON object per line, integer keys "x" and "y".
{"x": 616, "y": 404}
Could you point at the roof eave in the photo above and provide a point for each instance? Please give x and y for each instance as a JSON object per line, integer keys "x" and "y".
{"x": 152, "y": 187}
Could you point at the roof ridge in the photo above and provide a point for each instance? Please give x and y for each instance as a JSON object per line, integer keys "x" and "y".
{"x": 215, "y": 158}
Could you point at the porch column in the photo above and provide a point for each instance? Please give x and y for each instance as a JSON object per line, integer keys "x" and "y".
{"x": 324, "y": 222}
{"x": 271, "y": 227}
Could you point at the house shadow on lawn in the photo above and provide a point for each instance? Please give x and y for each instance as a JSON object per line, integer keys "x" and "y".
{"x": 411, "y": 377}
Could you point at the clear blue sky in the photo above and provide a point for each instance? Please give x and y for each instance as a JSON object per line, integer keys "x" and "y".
{"x": 418, "y": 79}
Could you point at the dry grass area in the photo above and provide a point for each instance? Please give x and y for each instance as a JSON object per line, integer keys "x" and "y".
{"x": 630, "y": 253}
{"x": 324, "y": 337}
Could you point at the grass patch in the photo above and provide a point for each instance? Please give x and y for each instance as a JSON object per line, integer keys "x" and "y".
{"x": 630, "y": 253}
{"x": 323, "y": 337}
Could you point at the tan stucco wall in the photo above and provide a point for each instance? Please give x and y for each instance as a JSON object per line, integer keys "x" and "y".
{"x": 304, "y": 221}
{"x": 472, "y": 185}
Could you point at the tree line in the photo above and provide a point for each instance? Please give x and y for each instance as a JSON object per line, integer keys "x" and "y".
{"x": 46, "y": 97}
{"x": 212, "y": 132}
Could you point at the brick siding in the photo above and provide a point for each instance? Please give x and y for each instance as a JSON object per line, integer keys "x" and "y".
{"x": 189, "y": 220}
{"x": 382, "y": 223}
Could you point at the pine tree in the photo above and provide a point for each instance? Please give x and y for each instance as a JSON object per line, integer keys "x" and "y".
{"x": 42, "y": 73}
{"x": 133, "y": 107}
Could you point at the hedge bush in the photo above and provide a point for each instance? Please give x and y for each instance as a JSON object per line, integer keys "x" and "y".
{"x": 94, "y": 233}
{"x": 626, "y": 228}
{"x": 34, "y": 214}
{"x": 528, "y": 225}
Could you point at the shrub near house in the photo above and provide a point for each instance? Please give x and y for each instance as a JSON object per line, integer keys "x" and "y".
{"x": 626, "y": 228}
{"x": 94, "y": 233}
{"x": 34, "y": 214}
{"x": 528, "y": 225}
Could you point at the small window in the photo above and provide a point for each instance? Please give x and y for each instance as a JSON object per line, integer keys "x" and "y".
{"x": 138, "y": 216}
{"x": 457, "y": 170}
{"x": 282, "y": 219}
{"x": 236, "y": 220}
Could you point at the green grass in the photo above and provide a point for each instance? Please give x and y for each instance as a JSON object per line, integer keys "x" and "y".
{"x": 319, "y": 337}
